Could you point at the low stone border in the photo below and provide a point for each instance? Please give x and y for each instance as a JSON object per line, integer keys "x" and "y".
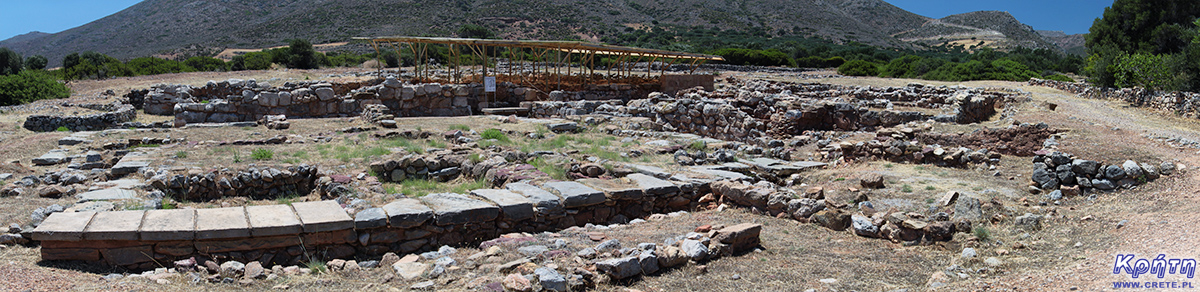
{"x": 117, "y": 116}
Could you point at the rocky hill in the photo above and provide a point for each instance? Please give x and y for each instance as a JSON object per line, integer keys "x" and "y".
{"x": 1072, "y": 43}
{"x": 996, "y": 29}
{"x": 206, "y": 26}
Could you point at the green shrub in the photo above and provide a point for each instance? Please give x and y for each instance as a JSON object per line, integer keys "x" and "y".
{"x": 858, "y": 68}
{"x": 698, "y": 145}
{"x": 206, "y": 64}
{"x": 906, "y": 188}
{"x": 302, "y": 55}
{"x": 181, "y": 154}
{"x": 262, "y": 154}
{"x": 30, "y": 85}
{"x": 36, "y": 62}
{"x": 155, "y": 66}
{"x": 755, "y": 57}
{"x": 62, "y": 129}
{"x": 982, "y": 233}
{"x": 494, "y": 134}
{"x": 251, "y": 61}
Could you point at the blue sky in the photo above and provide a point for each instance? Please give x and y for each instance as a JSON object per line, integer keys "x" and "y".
{"x": 1071, "y": 16}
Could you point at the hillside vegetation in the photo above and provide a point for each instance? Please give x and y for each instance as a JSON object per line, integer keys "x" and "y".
{"x": 182, "y": 29}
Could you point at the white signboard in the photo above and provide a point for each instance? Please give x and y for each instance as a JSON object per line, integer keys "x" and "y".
{"x": 489, "y": 84}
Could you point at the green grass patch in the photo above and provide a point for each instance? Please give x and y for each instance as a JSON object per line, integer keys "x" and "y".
{"x": 906, "y": 188}
{"x": 317, "y": 266}
{"x": 262, "y": 154}
{"x": 982, "y": 233}
{"x": 494, "y": 134}
{"x": 930, "y": 188}
{"x": 555, "y": 171}
{"x": 698, "y": 145}
{"x": 889, "y": 165}
{"x": 460, "y": 127}
{"x": 62, "y": 129}
{"x": 181, "y": 154}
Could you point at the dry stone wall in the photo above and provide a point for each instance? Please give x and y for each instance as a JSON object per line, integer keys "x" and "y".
{"x": 254, "y": 182}
{"x": 1181, "y": 103}
{"x": 117, "y": 114}
{"x": 291, "y": 234}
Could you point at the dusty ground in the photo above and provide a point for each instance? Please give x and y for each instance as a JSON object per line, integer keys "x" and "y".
{"x": 1075, "y": 250}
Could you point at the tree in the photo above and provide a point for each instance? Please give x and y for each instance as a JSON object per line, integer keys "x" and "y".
{"x": 36, "y": 62}
{"x": 251, "y": 61}
{"x": 71, "y": 60}
{"x": 206, "y": 63}
{"x": 10, "y": 62}
{"x": 302, "y": 55}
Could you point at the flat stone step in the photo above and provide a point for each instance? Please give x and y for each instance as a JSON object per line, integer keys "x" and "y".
{"x": 53, "y": 157}
{"x": 575, "y": 194}
{"x": 649, "y": 170}
{"x": 545, "y": 202}
{"x": 504, "y": 111}
{"x": 172, "y": 224}
{"x": 63, "y": 226}
{"x": 512, "y": 205}
{"x": 116, "y": 225}
{"x": 719, "y": 174}
{"x": 653, "y": 186}
{"x": 407, "y": 213}
{"x": 322, "y": 216}
{"x": 272, "y": 220}
{"x": 451, "y": 209}
{"x": 109, "y": 194}
{"x": 131, "y": 163}
{"x": 73, "y": 140}
{"x": 125, "y": 183}
{"x": 221, "y": 223}
{"x": 614, "y": 189}
{"x": 370, "y": 218}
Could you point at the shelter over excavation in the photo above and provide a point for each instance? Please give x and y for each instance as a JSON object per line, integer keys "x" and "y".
{"x": 546, "y": 65}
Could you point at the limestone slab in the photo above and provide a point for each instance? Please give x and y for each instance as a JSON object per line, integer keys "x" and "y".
{"x": 512, "y": 205}
{"x": 62, "y": 226}
{"x": 271, "y": 220}
{"x": 451, "y": 208}
{"x": 614, "y": 189}
{"x": 172, "y": 224}
{"x": 370, "y": 218}
{"x": 575, "y": 194}
{"x": 131, "y": 163}
{"x": 51, "y": 158}
{"x": 109, "y": 194}
{"x": 219, "y": 223}
{"x": 322, "y": 216}
{"x": 118, "y": 225}
{"x": 545, "y": 202}
{"x": 407, "y": 213}
{"x": 653, "y": 186}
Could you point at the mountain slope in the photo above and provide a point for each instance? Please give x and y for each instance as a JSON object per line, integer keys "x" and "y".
{"x": 203, "y": 27}
{"x": 994, "y": 29}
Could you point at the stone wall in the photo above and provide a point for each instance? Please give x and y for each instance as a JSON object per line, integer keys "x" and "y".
{"x": 1180, "y": 103}
{"x": 291, "y": 234}
{"x": 254, "y": 182}
{"x": 750, "y": 110}
{"x": 117, "y": 115}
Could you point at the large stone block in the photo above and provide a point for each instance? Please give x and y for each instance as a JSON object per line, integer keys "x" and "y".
{"x": 407, "y": 213}
{"x": 614, "y": 189}
{"x": 512, "y": 205}
{"x": 451, "y": 209}
{"x": 545, "y": 202}
{"x": 653, "y": 186}
{"x": 322, "y": 216}
{"x": 119, "y": 225}
{"x": 220, "y": 223}
{"x": 270, "y": 220}
{"x": 173, "y": 224}
{"x": 575, "y": 194}
{"x": 62, "y": 226}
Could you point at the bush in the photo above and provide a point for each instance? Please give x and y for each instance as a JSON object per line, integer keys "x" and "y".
{"x": 251, "y": 61}
{"x": 474, "y": 31}
{"x": 155, "y": 66}
{"x": 10, "y": 62}
{"x": 36, "y": 62}
{"x": 858, "y": 68}
{"x": 262, "y": 154}
{"x": 755, "y": 57}
{"x": 30, "y": 85}
{"x": 206, "y": 64}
